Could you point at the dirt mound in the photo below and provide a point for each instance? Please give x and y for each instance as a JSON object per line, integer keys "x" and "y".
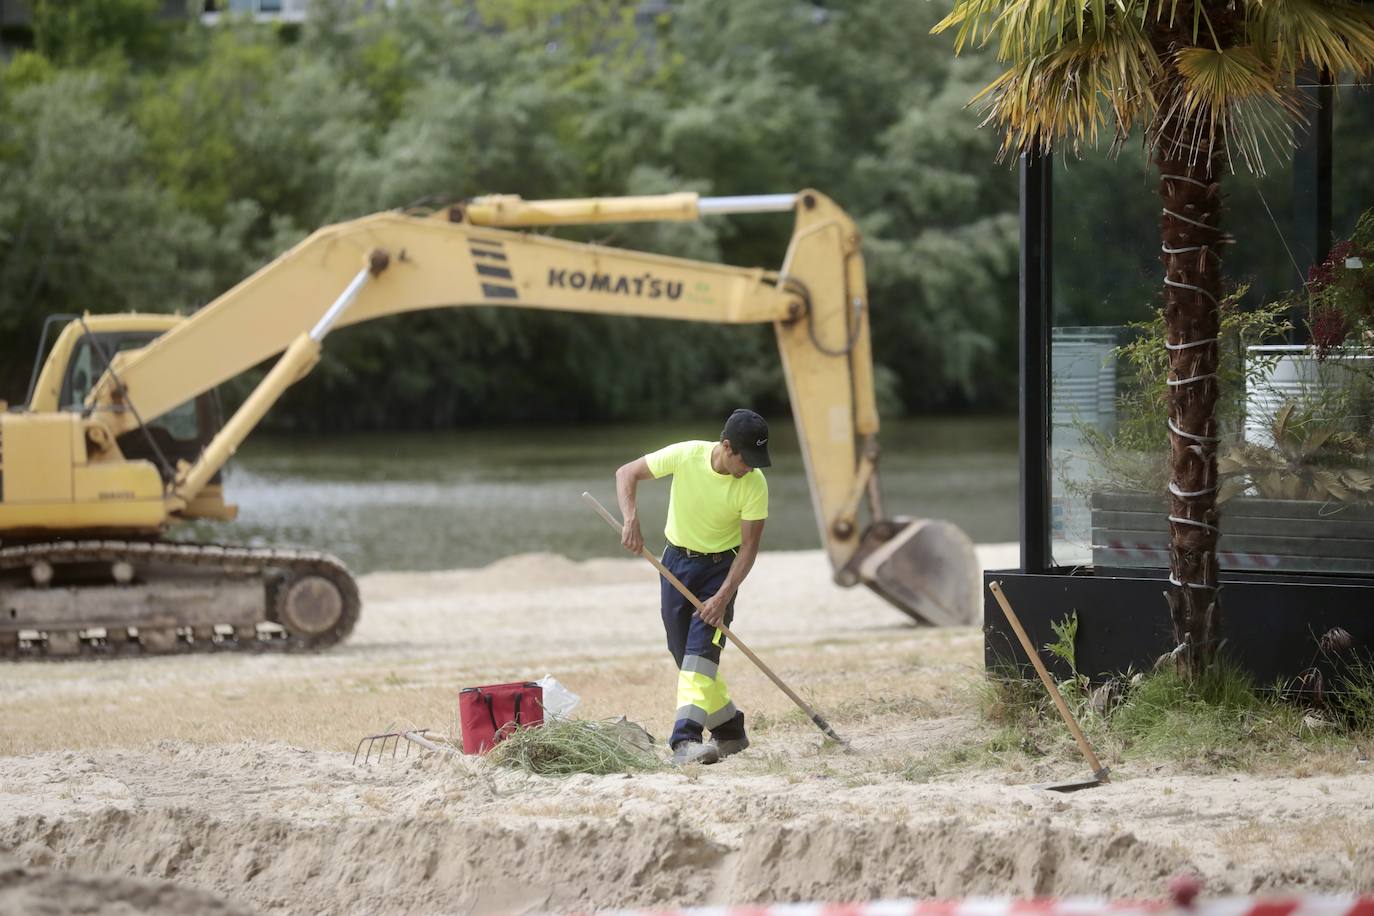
{"x": 234, "y": 775}
{"x": 26, "y": 891}
{"x": 948, "y": 859}
{"x": 484, "y": 865}
{"x": 395, "y": 865}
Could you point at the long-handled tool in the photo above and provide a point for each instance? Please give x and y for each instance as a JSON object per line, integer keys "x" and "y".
{"x": 1099, "y": 771}
{"x": 815, "y": 717}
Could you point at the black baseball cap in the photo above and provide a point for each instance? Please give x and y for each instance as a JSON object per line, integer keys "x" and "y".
{"x": 748, "y": 435}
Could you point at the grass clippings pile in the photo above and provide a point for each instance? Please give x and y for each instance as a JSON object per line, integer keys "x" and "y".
{"x": 564, "y": 747}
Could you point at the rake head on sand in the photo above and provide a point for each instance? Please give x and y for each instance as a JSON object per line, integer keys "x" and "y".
{"x": 373, "y": 747}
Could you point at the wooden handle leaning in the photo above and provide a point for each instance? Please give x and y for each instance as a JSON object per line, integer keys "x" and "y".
{"x": 1099, "y": 771}
{"x": 696, "y": 602}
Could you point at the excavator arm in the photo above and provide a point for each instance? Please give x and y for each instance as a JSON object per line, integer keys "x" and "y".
{"x": 479, "y": 253}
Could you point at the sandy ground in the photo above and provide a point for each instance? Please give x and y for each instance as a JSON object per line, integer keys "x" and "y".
{"x": 226, "y": 784}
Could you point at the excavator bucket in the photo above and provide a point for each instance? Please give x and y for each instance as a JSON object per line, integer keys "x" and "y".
{"x": 929, "y": 570}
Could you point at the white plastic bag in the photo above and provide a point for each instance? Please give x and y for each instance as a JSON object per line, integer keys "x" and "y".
{"x": 558, "y": 700}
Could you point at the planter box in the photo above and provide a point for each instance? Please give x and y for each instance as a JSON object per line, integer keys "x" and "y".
{"x": 1271, "y": 622}
{"x": 1131, "y": 530}
{"x": 1298, "y": 377}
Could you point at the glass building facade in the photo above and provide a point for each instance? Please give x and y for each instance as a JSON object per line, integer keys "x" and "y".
{"x": 1092, "y": 278}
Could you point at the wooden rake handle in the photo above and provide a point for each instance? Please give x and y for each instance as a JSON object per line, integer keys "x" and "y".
{"x": 673, "y": 580}
{"x": 1099, "y": 771}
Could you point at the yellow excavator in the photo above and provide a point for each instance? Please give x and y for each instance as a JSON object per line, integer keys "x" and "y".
{"x": 121, "y": 438}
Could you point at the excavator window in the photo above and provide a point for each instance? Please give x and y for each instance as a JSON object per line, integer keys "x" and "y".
{"x": 180, "y": 433}
{"x": 87, "y": 364}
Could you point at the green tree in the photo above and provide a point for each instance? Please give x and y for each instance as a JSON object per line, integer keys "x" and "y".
{"x": 82, "y": 31}
{"x": 1211, "y": 85}
{"x": 83, "y": 226}
{"x": 233, "y": 142}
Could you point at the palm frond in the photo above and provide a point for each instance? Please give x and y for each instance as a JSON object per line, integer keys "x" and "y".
{"x": 1098, "y": 84}
{"x": 972, "y": 20}
{"x": 1327, "y": 34}
{"x": 1078, "y": 69}
{"x": 1029, "y": 27}
{"x": 1229, "y": 97}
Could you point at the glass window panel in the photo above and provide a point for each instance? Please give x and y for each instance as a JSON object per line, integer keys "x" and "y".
{"x": 1109, "y": 442}
{"x": 1352, "y": 167}
{"x": 1106, "y": 274}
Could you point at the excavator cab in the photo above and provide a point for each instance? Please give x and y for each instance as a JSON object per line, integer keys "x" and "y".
{"x": 67, "y": 476}
{"x": 179, "y": 434}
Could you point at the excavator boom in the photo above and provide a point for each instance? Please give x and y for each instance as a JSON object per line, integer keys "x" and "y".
{"x": 95, "y": 461}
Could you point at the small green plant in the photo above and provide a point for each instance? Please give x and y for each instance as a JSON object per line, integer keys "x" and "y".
{"x": 1131, "y": 459}
{"x": 1075, "y": 689}
{"x": 563, "y": 747}
{"x": 1066, "y": 637}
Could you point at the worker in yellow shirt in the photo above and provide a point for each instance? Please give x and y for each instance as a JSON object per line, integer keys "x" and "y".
{"x": 716, "y": 510}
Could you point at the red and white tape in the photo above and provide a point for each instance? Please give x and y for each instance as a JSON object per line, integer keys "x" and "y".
{"x": 1069, "y": 906}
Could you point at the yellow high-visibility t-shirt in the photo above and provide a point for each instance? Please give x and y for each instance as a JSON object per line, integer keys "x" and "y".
{"x": 705, "y": 508}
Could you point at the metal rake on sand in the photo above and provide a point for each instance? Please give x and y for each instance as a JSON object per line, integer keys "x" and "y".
{"x": 377, "y": 744}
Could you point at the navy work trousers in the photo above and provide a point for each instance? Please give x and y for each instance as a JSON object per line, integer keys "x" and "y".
{"x": 702, "y": 699}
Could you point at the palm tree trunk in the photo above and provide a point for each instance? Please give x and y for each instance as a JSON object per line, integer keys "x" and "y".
{"x": 1189, "y": 188}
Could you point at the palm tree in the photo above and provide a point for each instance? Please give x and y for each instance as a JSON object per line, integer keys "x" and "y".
{"x": 1211, "y": 85}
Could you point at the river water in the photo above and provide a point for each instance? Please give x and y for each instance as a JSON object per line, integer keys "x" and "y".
{"x": 422, "y": 501}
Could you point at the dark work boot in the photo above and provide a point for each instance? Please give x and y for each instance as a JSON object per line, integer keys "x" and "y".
{"x": 728, "y": 746}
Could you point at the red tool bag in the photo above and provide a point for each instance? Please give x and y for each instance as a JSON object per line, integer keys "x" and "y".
{"x": 489, "y": 714}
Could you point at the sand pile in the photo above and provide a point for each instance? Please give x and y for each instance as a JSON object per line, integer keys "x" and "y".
{"x": 283, "y": 829}
{"x": 128, "y": 783}
{"x": 487, "y": 865}
{"x": 36, "y": 891}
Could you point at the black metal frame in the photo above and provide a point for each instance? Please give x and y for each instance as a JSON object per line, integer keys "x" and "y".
{"x": 1123, "y": 620}
{"x": 1312, "y": 170}
{"x": 1037, "y": 238}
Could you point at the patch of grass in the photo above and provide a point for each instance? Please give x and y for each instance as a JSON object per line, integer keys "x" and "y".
{"x": 762, "y": 722}
{"x": 563, "y": 747}
{"x": 776, "y": 764}
{"x": 1007, "y": 699}
{"x": 924, "y": 769}
{"x": 1007, "y": 740}
{"x": 1355, "y": 702}
{"x": 1223, "y": 720}
{"x": 1342, "y": 836}
{"x": 904, "y": 705}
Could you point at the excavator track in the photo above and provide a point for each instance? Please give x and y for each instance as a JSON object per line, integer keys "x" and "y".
{"x": 116, "y": 598}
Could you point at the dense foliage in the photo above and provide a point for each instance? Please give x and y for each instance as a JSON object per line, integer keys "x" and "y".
{"x": 150, "y": 165}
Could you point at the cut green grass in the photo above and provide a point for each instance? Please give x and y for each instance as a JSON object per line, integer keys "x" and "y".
{"x": 564, "y": 747}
